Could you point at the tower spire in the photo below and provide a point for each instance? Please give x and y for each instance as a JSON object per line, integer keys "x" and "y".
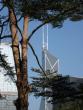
{"x": 45, "y": 37}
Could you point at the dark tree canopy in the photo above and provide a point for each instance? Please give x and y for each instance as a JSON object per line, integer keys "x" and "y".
{"x": 58, "y": 87}
{"x": 53, "y": 11}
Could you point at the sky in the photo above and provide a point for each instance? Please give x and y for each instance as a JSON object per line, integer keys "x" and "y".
{"x": 65, "y": 43}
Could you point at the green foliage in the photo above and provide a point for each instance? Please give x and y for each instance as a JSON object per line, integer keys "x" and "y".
{"x": 50, "y": 11}
{"x": 63, "y": 93}
{"x": 5, "y": 65}
{"x": 72, "y": 105}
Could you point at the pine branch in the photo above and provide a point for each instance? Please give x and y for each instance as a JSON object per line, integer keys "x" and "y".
{"x": 9, "y": 70}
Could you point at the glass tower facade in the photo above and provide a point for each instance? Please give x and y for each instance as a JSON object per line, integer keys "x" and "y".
{"x": 50, "y": 63}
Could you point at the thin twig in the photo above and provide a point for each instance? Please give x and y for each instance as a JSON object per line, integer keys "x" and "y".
{"x": 5, "y": 36}
{"x": 3, "y": 26}
{"x": 1, "y": 8}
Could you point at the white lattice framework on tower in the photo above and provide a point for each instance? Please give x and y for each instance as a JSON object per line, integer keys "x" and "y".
{"x": 49, "y": 62}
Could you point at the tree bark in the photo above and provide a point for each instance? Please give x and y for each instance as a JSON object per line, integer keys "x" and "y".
{"x": 15, "y": 48}
{"x": 25, "y": 88}
{"x": 21, "y": 66}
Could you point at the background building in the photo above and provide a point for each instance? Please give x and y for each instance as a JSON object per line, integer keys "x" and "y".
{"x": 8, "y": 89}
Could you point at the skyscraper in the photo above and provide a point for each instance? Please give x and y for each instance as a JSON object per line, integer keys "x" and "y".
{"x": 50, "y": 63}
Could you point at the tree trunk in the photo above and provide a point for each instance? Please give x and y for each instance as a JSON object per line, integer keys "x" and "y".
{"x": 21, "y": 66}
{"x": 25, "y": 88}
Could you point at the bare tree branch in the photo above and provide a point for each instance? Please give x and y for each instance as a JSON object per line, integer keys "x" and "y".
{"x": 19, "y": 18}
{"x": 1, "y": 8}
{"x": 5, "y": 36}
{"x": 38, "y": 27}
{"x": 1, "y": 31}
{"x": 3, "y": 24}
{"x": 36, "y": 58}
